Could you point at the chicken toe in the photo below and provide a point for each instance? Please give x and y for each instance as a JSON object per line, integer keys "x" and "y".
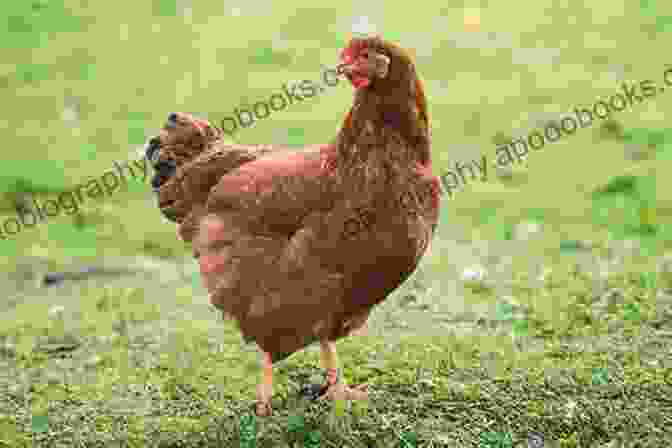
{"x": 333, "y": 388}
{"x": 341, "y": 391}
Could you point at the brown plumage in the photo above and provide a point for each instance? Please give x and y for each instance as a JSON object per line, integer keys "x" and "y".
{"x": 300, "y": 246}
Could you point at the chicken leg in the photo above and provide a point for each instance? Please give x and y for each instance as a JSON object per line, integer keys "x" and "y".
{"x": 265, "y": 387}
{"x": 334, "y": 387}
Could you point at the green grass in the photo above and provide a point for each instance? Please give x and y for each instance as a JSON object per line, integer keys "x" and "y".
{"x": 176, "y": 386}
{"x": 579, "y": 357}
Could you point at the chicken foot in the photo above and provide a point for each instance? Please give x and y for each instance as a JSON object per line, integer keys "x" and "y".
{"x": 333, "y": 388}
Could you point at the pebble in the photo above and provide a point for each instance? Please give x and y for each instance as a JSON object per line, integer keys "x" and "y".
{"x": 8, "y": 349}
{"x": 474, "y": 274}
{"x": 56, "y": 312}
{"x": 665, "y": 266}
{"x": 544, "y": 275}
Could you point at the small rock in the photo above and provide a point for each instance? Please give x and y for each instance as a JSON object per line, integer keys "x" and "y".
{"x": 8, "y": 350}
{"x": 56, "y": 312}
{"x": 71, "y": 111}
{"x": 53, "y": 278}
{"x": 545, "y": 273}
{"x": 56, "y": 278}
{"x": 665, "y": 266}
{"x": 653, "y": 362}
{"x": 535, "y": 439}
{"x": 474, "y": 274}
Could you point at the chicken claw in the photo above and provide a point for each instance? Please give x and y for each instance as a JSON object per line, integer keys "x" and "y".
{"x": 342, "y": 391}
{"x": 263, "y": 409}
{"x": 334, "y": 388}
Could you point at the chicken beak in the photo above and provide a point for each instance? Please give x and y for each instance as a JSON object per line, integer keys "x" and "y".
{"x": 344, "y": 69}
{"x": 377, "y": 65}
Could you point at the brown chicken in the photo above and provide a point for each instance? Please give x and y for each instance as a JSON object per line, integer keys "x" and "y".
{"x": 299, "y": 246}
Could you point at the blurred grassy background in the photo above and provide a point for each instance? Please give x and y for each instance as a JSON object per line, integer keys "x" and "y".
{"x": 84, "y": 83}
